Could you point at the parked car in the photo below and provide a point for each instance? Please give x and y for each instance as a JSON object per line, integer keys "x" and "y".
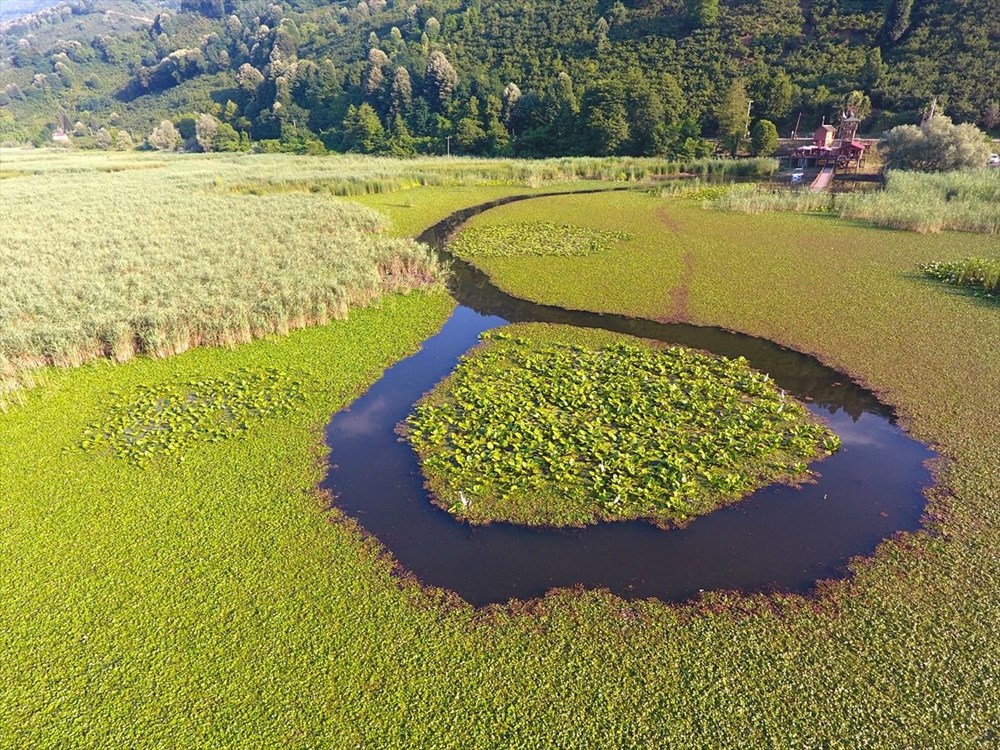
{"x": 798, "y": 175}
{"x": 994, "y": 160}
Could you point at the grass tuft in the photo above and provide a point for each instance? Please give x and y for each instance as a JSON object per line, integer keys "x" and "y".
{"x": 979, "y": 274}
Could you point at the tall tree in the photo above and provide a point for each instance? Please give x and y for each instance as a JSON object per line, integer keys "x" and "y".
{"x": 605, "y": 118}
{"x": 363, "y": 131}
{"x": 733, "y": 117}
{"x": 497, "y": 137}
{"x": 469, "y": 133}
{"x": 511, "y": 93}
{"x": 374, "y": 78}
{"x": 401, "y": 97}
{"x": 440, "y": 78}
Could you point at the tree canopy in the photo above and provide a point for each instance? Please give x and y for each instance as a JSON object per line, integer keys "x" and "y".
{"x": 500, "y": 76}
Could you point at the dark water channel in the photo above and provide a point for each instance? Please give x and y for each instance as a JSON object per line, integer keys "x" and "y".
{"x": 779, "y": 538}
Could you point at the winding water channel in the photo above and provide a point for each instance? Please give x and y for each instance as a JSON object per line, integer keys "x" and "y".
{"x": 779, "y": 538}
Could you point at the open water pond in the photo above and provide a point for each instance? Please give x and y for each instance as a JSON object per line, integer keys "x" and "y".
{"x": 779, "y": 538}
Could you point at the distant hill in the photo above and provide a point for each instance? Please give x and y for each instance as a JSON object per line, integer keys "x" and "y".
{"x": 10, "y": 9}
{"x": 489, "y": 76}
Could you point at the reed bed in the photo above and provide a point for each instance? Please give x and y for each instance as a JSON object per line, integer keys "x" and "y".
{"x": 155, "y": 261}
{"x": 754, "y": 199}
{"x": 966, "y": 201}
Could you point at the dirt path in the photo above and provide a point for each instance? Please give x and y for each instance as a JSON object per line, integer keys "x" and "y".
{"x": 678, "y": 295}
{"x": 667, "y": 219}
{"x": 681, "y": 291}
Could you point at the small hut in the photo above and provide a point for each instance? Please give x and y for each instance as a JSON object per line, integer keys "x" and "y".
{"x": 824, "y": 135}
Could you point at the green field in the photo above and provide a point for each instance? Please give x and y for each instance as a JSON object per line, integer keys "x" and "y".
{"x": 215, "y": 602}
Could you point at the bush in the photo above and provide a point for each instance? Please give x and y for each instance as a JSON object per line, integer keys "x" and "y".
{"x": 164, "y": 137}
{"x": 763, "y": 138}
{"x": 937, "y": 145}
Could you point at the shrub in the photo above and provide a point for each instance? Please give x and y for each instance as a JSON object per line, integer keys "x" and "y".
{"x": 164, "y": 137}
{"x": 937, "y": 145}
{"x": 763, "y": 138}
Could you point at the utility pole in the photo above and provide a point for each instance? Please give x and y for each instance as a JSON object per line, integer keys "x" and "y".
{"x": 795, "y": 133}
{"x": 448, "y": 139}
{"x": 749, "y": 106}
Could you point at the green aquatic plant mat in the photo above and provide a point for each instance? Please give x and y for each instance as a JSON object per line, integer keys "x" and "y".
{"x": 167, "y": 419}
{"x": 541, "y": 432}
{"x": 532, "y": 238}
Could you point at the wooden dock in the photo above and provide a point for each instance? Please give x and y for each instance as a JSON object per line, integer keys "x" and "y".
{"x": 823, "y": 180}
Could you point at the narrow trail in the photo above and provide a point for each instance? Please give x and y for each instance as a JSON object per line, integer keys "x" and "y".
{"x": 680, "y": 293}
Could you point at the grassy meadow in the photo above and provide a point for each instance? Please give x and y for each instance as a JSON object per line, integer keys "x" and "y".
{"x": 217, "y": 602}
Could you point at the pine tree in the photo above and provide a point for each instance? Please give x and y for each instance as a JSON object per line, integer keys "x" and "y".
{"x": 511, "y": 93}
{"x": 441, "y": 79}
{"x": 469, "y": 133}
{"x": 374, "y": 77}
{"x": 401, "y": 98}
{"x": 897, "y": 19}
{"x": 363, "y": 131}
{"x": 401, "y": 142}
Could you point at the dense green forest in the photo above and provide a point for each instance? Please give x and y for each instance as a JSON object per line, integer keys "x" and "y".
{"x": 522, "y": 77}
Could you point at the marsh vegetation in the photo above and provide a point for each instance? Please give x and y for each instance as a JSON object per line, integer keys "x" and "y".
{"x": 167, "y": 419}
{"x": 96, "y": 263}
{"x": 965, "y": 201}
{"x": 532, "y": 430}
{"x": 981, "y": 275}
{"x": 213, "y": 603}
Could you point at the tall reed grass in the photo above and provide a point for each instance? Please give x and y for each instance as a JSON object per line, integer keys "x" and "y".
{"x": 967, "y": 201}
{"x": 754, "y": 199}
{"x": 97, "y": 263}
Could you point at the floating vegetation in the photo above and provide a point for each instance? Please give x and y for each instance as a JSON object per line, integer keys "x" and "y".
{"x": 167, "y": 419}
{"x": 981, "y": 275}
{"x": 532, "y": 238}
{"x": 554, "y": 434}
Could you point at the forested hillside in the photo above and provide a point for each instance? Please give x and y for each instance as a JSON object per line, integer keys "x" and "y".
{"x": 528, "y": 77}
